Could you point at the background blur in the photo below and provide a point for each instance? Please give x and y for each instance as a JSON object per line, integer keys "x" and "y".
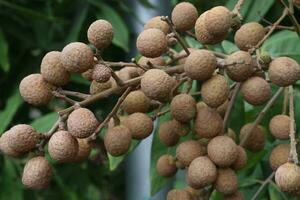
{"x": 30, "y": 28}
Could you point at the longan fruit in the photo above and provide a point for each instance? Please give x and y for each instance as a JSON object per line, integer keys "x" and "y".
{"x": 200, "y": 105}
{"x": 101, "y": 73}
{"x": 187, "y": 151}
{"x": 256, "y": 141}
{"x": 235, "y": 196}
{"x": 226, "y": 182}
{"x": 182, "y": 60}
{"x": 241, "y": 159}
{"x": 223, "y": 107}
{"x": 96, "y": 87}
{"x": 157, "y": 23}
{"x": 230, "y": 133}
{"x": 178, "y": 194}
{"x": 287, "y": 177}
{"x": 100, "y": 34}
{"x": 184, "y": 16}
{"x": 136, "y": 101}
{"x": 181, "y": 129}
{"x": 183, "y": 107}
{"x": 165, "y": 166}
{"x": 84, "y": 150}
{"x": 279, "y": 156}
{"x": 143, "y": 61}
{"x": 140, "y": 125}
{"x": 88, "y": 75}
{"x": 5, "y": 148}
{"x": 166, "y": 133}
{"x": 280, "y": 126}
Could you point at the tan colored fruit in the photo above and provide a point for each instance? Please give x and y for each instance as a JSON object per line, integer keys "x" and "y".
{"x": 279, "y": 156}
{"x": 284, "y": 71}
{"x": 96, "y": 87}
{"x": 84, "y": 150}
{"x": 223, "y": 107}
{"x": 178, "y": 194}
{"x": 140, "y": 125}
{"x": 88, "y": 75}
{"x": 152, "y": 43}
{"x": 230, "y": 133}
{"x": 227, "y": 181}
{"x": 236, "y": 196}
{"x": 165, "y": 166}
{"x": 280, "y": 126}
{"x": 208, "y": 123}
{"x": 77, "y": 57}
{"x": 249, "y": 35}
{"x": 183, "y": 107}
{"x": 243, "y": 68}
{"x": 37, "y": 173}
{"x": 200, "y": 105}
{"x": 287, "y": 177}
{"x": 241, "y": 159}
{"x": 296, "y": 2}
{"x": 167, "y": 135}
{"x": 222, "y": 150}
{"x": 5, "y": 147}
{"x": 256, "y": 91}
{"x": 201, "y": 172}
{"x": 157, "y": 84}
{"x": 189, "y": 150}
{"x": 157, "y": 23}
{"x": 181, "y": 129}
{"x": 256, "y": 140}
{"x": 82, "y": 123}
{"x": 117, "y": 140}
{"x": 184, "y": 16}
{"x": 52, "y": 69}
{"x": 101, "y": 73}
{"x": 100, "y": 33}
{"x": 132, "y": 71}
{"x": 35, "y": 90}
{"x": 136, "y": 101}
{"x": 63, "y": 147}
{"x": 182, "y": 53}
{"x": 143, "y": 61}
{"x": 215, "y": 91}
{"x": 200, "y": 65}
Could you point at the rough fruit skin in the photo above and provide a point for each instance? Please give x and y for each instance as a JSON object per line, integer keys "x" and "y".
{"x": 167, "y": 135}
{"x": 88, "y": 75}
{"x": 249, "y": 35}
{"x": 152, "y": 43}
{"x": 201, "y": 172}
{"x": 84, "y": 150}
{"x": 287, "y": 177}
{"x": 96, "y": 87}
{"x": 184, "y": 16}
{"x": 236, "y": 196}
{"x": 143, "y": 61}
{"x": 37, "y": 173}
{"x": 215, "y": 91}
{"x": 178, "y": 194}
{"x": 77, "y": 57}
{"x": 256, "y": 141}
{"x": 256, "y": 91}
{"x": 227, "y": 181}
{"x": 280, "y": 126}
{"x": 100, "y": 34}
{"x": 157, "y": 84}
{"x": 279, "y": 156}
{"x": 35, "y": 90}
{"x": 101, "y": 73}
{"x": 187, "y": 151}
{"x": 82, "y": 123}
{"x": 157, "y": 23}
{"x": 222, "y": 108}
{"x": 5, "y": 147}
{"x": 222, "y": 150}
{"x": 183, "y": 107}
{"x": 140, "y": 125}
{"x": 208, "y": 123}
{"x": 230, "y": 133}
{"x": 284, "y": 71}
{"x": 117, "y": 140}
{"x": 165, "y": 166}
{"x": 182, "y": 129}
{"x": 241, "y": 159}
{"x": 200, "y": 65}
{"x": 201, "y": 105}
{"x": 182, "y": 53}
{"x": 52, "y": 69}
{"x": 136, "y": 101}
{"x": 239, "y": 72}
{"x": 63, "y": 147}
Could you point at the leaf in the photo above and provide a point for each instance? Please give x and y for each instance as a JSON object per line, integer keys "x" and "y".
{"x": 193, "y": 43}
{"x": 147, "y": 4}
{"x": 275, "y": 193}
{"x": 244, "y": 9}
{"x": 229, "y": 47}
{"x": 77, "y": 78}
{"x": 45, "y": 123}
{"x": 215, "y": 196}
{"x": 4, "y": 58}
{"x": 254, "y": 159}
{"x": 257, "y": 11}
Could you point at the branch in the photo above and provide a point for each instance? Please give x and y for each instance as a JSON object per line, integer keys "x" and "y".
{"x": 293, "y": 156}
{"x": 63, "y": 97}
{"x": 285, "y": 100}
{"x": 260, "y": 189}
{"x": 237, "y": 8}
{"x": 74, "y": 94}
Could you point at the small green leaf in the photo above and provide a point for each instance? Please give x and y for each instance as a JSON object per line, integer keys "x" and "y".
{"x": 77, "y": 78}
{"x": 254, "y": 159}
{"x": 193, "y": 43}
{"x": 275, "y": 193}
{"x": 257, "y": 11}
{"x": 216, "y": 196}
{"x": 147, "y": 4}
{"x": 4, "y": 58}
{"x": 229, "y": 47}
{"x": 45, "y": 123}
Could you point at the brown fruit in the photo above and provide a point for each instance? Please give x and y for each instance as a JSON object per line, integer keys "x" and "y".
{"x": 241, "y": 159}
{"x": 181, "y": 129}
{"x": 189, "y": 150}
{"x": 208, "y": 123}
{"x": 157, "y": 23}
{"x": 88, "y": 75}
{"x": 100, "y": 34}
{"x": 215, "y": 91}
{"x": 52, "y": 69}
{"x": 201, "y": 105}
{"x": 235, "y": 196}
{"x": 182, "y": 53}
{"x": 200, "y": 65}
{"x": 136, "y": 101}
{"x": 280, "y": 126}
{"x": 256, "y": 91}
{"x": 37, "y": 173}
{"x": 63, "y": 147}
{"x": 96, "y": 87}
{"x": 227, "y": 181}
{"x": 183, "y": 107}
{"x": 287, "y": 177}
{"x": 84, "y": 150}
{"x": 167, "y": 135}
{"x": 140, "y": 125}
{"x": 279, "y": 156}
{"x": 201, "y": 172}
{"x": 165, "y": 166}
{"x": 249, "y": 35}
{"x": 101, "y": 73}
{"x": 179, "y": 194}
{"x": 184, "y": 16}
{"x": 284, "y": 71}
{"x": 223, "y": 107}
{"x": 143, "y": 61}
{"x": 152, "y": 43}
{"x": 243, "y": 68}
{"x": 35, "y": 90}
{"x": 256, "y": 140}
{"x": 230, "y": 133}
{"x": 5, "y": 147}
{"x": 296, "y": 2}
{"x": 117, "y": 140}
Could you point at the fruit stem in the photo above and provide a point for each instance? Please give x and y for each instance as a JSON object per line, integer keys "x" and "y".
{"x": 293, "y": 156}
{"x": 285, "y": 100}
{"x": 73, "y": 94}
{"x": 237, "y": 8}
{"x": 263, "y": 185}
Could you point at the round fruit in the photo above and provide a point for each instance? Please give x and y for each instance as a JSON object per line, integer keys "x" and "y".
{"x": 158, "y": 61}
{"x": 201, "y": 172}
{"x": 152, "y": 43}
{"x": 140, "y": 125}
{"x": 88, "y": 75}
{"x": 96, "y": 87}
{"x": 227, "y": 181}
{"x": 296, "y": 2}
{"x": 287, "y": 177}
{"x": 101, "y": 73}
{"x": 77, "y": 57}
{"x": 235, "y": 196}
{"x": 117, "y": 140}
{"x": 183, "y": 107}
{"x": 249, "y": 35}
{"x": 35, "y": 90}
{"x": 284, "y": 71}
{"x": 166, "y": 133}
{"x": 256, "y": 141}
{"x": 63, "y": 147}
{"x": 84, "y": 150}
{"x": 52, "y": 69}
{"x": 157, "y": 23}
{"x": 256, "y": 91}
{"x": 200, "y": 105}
{"x": 184, "y": 16}
{"x": 182, "y": 129}
{"x": 230, "y": 133}
{"x": 165, "y": 166}
{"x": 279, "y": 156}
{"x": 241, "y": 159}
{"x": 178, "y": 194}
{"x": 100, "y": 33}
{"x": 136, "y": 101}
{"x": 215, "y": 91}
{"x": 280, "y": 126}
{"x": 240, "y": 66}
{"x": 37, "y": 173}
{"x": 182, "y": 53}
{"x": 5, "y": 147}
{"x": 200, "y": 65}
{"x": 187, "y": 151}
{"x": 223, "y": 107}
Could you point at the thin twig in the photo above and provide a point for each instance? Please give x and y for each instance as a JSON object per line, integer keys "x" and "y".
{"x": 293, "y": 156}
{"x": 118, "y": 80}
{"x": 74, "y": 94}
{"x": 237, "y": 9}
{"x": 64, "y": 97}
{"x": 158, "y": 114}
{"x": 138, "y": 65}
{"x": 263, "y": 185}
{"x": 189, "y": 33}
{"x": 182, "y": 80}
{"x": 285, "y": 100}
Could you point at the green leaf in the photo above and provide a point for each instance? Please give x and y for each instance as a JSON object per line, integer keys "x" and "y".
{"x": 77, "y": 78}
{"x": 147, "y": 4}
{"x": 216, "y": 196}
{"x": 257, "y": 11}
{"x": 229, "y": 47}
{"x": 45, "y": 123}
{"x": 275, "y": 193}
{"x": 244, "y": 9}
{"x": 254, "y": 159}
{"x": 193, "y": 43}
{"x": 4, "y": 58}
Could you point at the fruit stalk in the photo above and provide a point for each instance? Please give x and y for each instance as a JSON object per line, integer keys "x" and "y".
{"x": 293, "y": 156}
